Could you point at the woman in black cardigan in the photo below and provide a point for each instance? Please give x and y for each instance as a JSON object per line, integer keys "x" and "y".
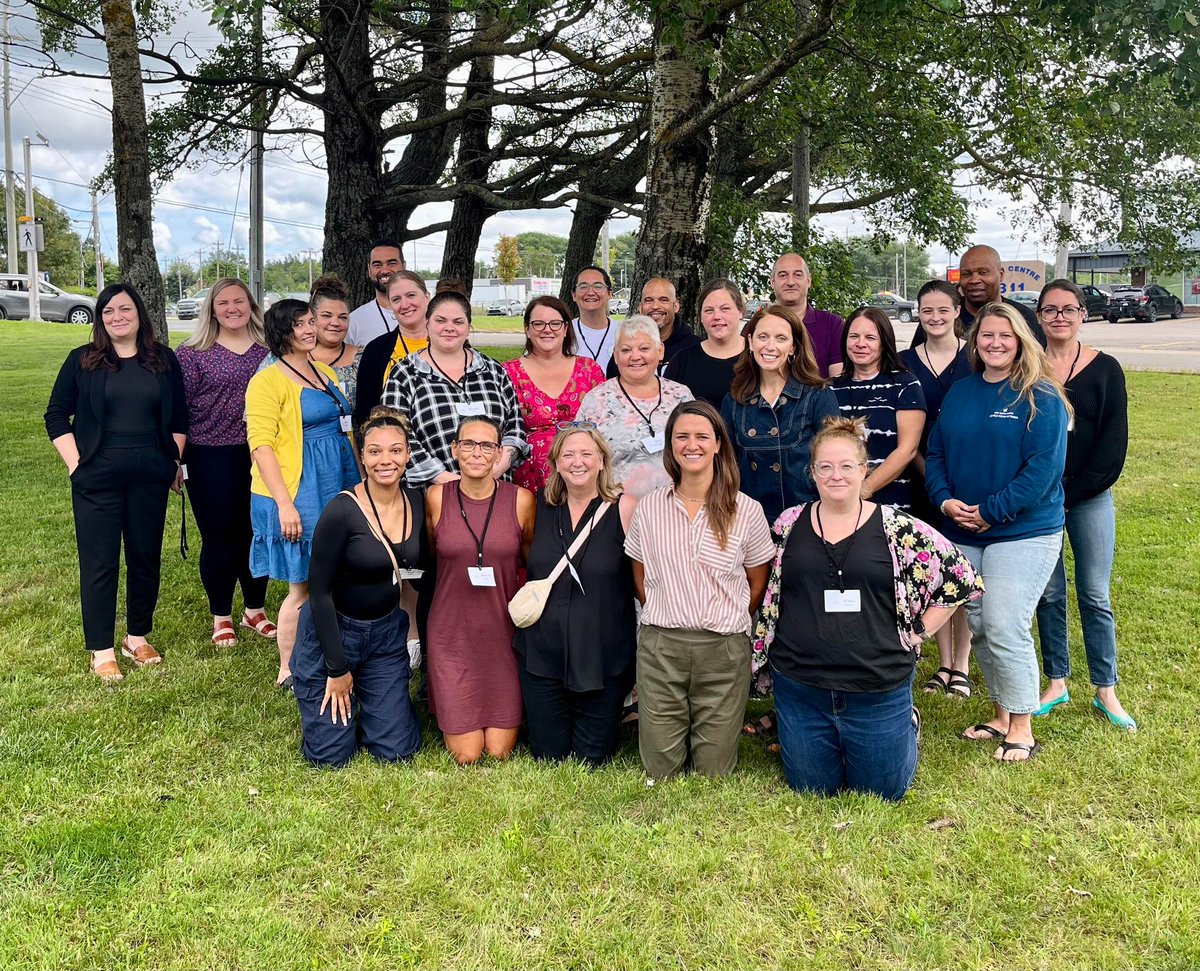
{"x": 124, "y": 392}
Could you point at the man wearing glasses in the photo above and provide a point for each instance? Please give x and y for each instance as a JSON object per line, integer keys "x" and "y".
{"x": 594, "y": 330}
{"x": 375, "y": 318}
{"x": 980, "y": 273}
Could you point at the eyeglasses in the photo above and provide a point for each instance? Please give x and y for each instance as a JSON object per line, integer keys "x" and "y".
{"x": 823, "y": 470}
{"x": 468, "y": 445}
{"x": 554, "y": 326}
{"x": 1067, "y": 313}
{"x": 590, "y": 287}
{"x": 578, "y": 426}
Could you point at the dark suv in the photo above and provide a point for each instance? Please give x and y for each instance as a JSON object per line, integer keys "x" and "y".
{"x": 1146, "y": 303}
{"x": 894, "y": 306}
{"x": 1095, "y": 299}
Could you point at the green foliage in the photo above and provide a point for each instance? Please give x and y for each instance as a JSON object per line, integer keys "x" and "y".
{"x": 508, "y": 258}
{"x": 542, "y": 254}
{"x": 883, "y": 264}
{"x": 61, "y": 257}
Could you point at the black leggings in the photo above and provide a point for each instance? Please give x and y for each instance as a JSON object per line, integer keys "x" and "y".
{"x": 218, "y": 485}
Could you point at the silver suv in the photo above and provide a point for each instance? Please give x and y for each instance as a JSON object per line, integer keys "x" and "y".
{"x": 72, "y": 308}
{"x": 188, "y": 308}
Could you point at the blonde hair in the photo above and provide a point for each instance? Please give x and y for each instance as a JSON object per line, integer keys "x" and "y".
{"x": 852, "y": 430}
{"x": 606, "y": 485}
{"x": 208, "y": 328}
{"x": 1030, "y": 369}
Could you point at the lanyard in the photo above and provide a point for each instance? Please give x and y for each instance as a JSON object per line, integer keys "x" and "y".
{"x": 951, "y": 367}
{"x": 829, "y": 546}
{"x": 403, "y": 342}
{"x": 487, "y": 522}
{"x": 596, "y": 353}
{"x": 383, "y": 532}
{"x": 382, "y": 316}
{"x": 646, "y": 418}
{"x": 466, "y": 364}
{"x": 324, "y": 388}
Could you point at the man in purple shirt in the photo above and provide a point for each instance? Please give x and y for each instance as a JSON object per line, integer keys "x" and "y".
{"x": 790, "y": 279}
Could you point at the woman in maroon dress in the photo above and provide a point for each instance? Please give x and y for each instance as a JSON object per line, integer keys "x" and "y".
{"x": 480, "y": 530}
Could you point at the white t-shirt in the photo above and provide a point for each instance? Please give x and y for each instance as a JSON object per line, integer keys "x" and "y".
{"x": 596, "y": 344}
{"x": 368, "y": 322}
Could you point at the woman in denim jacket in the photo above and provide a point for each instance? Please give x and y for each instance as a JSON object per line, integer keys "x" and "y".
{"x": 778, "y": 402}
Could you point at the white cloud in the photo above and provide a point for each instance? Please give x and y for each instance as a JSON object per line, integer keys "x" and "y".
{"x": 162, "y": 239}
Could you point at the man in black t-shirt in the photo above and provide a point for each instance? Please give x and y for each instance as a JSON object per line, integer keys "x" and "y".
{"x": 980, "y": 272}
{"x": 660, "y": 303}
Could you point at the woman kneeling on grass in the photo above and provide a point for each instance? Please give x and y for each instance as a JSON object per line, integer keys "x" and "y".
{"x": 700, "y": 551}
{"x": 856, "y": 587}
{"x": 351, "y": 642}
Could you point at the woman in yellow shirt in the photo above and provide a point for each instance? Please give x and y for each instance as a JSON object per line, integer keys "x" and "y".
{"x": 298, "y": 428}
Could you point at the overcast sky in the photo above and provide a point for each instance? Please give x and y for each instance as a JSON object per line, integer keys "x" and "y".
{"x": 196, "y": 210}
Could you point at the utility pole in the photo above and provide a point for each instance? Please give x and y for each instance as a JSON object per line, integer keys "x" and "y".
{"x": 309, "y": 254}
{"x": 31, "y": 256}
{"x": 96, "y": 243}
{"x": 200, "y": 263}
{"x": 904, "y": 292}
{"x": 218, "y": 270}
{"x": 604, "y": 244}
{"x": 179, "y": 280}
{"x": 10, "y": 182}
{"x": 255, "y": 256}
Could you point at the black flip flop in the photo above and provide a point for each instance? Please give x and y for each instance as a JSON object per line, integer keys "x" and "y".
{"x": 995, "y": 733}
{"x": 1032, "y": 750}
{"x": 958, "y": 681}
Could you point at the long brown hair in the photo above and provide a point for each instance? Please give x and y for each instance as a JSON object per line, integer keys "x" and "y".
{"x": 803, "y": 362}
{"x": 721, "y": 504}
{"x": 102, "y": 354}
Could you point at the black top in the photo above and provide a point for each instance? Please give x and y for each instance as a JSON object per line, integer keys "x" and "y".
{"x": 933, "y": 385}
{"x": 839, "y": 651}
{"x": 968, "y": 320}
{"x": 1099, "y": 439}
{"x": 351, "y": 574}
{"x": 132, "y": 401}
{"x": 708, "y": 378}
{"x": 682, "y": 337}
{"x": 79, "y": 404}
{"x": 589, "y": 636}
{"x": 372, "y": 373}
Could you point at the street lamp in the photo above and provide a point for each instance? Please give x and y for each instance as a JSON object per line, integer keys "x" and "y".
{"x": 31, "y": 256}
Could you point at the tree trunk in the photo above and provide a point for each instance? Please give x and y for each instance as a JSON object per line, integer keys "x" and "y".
{"x": 131, "y": 163}
{"x": 673, "y": 242}
{"x": 353, "y": 149}
{"x": 801, "y": 158}
{"x": 470, "y": 212}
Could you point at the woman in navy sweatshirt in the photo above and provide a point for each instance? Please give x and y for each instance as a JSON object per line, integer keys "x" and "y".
{"x": 994, "y": 469}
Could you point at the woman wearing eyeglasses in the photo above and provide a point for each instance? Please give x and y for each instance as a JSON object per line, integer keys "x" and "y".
{"x": 854, "y": 590}
{"x": 550, "y": 381}
{"x": 479, "y": 529}
{"x": 438, "y": 387}
{"x": 1096, "y": 447}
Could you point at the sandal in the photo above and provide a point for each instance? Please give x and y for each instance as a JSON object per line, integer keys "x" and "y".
{"x": 936, "y": 684}
{"x": 259, "y": 624}
{"x": 143, "y": 655}
{"x": 107, "y": 671}
{"x": 1029, "y": 750}
{"x": 992, "y": 733}
{"x": 959, "y": 684}
{"x": 765, "y": 728}
{"x": 223, "y": 634}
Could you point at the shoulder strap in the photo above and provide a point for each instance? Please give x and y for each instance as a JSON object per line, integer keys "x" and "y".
{"x": 579, "y": 541}
{"x": 375, "y": 532}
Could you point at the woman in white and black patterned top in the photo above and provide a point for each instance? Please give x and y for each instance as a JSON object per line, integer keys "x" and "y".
{"x": 446, "y": 382}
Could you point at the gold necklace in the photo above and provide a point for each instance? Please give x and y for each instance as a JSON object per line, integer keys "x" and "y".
{"x": 689, "y": 498}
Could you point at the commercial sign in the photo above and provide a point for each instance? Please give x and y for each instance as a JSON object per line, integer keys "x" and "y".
{"x": 1018, "y": 275}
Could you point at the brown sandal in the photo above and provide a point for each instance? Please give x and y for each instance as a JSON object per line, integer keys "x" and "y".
{"x": 107, "y": 671}
{"x": 142, "y": 655}
{"x": 223, "y": 634}
{"x": 259, "y": 624}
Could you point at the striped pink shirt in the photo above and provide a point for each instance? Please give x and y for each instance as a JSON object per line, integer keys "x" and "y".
{"x": 691, "y": 583}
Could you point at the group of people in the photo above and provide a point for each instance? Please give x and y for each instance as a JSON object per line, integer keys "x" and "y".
{"x": 790, "y": 505}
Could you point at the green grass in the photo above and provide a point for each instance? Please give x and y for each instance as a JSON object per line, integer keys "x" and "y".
{"x": 171, "y": 823}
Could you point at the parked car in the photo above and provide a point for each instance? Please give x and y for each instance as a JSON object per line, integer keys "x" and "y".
{"x": 1028, "y": 298}
{"x": 55, "y": 304}
{"x": 1095, "y": 300}
{"x": 189, "y": 307}
{"x": 618, "y": 305}
{"x": 506, "y": 308}
{"x": 753, "y": 307}
{"x": 893, "y": 305}
{"x": 1146, "y": 303}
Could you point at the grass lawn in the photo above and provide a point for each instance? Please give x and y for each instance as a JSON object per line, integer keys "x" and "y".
{"x": 171, "y": 823}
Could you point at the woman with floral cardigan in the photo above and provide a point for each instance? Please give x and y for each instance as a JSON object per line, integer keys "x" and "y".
{"x": 855, "y": 588}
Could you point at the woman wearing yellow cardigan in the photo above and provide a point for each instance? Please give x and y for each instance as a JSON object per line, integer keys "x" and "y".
{"x": 297, "y": 425}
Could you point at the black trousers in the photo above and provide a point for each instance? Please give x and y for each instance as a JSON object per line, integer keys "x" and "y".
{"x": 563, "y": 723}
{"x": 218, "y": 485}
{"x": 121, "y": 494}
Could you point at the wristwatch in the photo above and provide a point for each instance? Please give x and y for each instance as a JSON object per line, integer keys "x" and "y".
{"x": 918, "y": 628}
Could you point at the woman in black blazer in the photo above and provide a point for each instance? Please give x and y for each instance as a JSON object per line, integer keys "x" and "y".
{"x": 124, "y": 392}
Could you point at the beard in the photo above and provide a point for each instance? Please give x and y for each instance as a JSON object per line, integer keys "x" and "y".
{"x": 381, "y": 284}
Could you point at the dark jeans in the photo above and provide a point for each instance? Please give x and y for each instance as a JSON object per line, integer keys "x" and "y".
{"x": 121, "y": 494}
{"x": 382, "y": 718}
{"x": 218, "y": 486}
{"x": 864, "y": 741}
{"x": 582, "y": 724}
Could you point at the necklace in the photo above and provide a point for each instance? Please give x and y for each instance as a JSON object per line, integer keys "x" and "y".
{"x": 689, "y": 498}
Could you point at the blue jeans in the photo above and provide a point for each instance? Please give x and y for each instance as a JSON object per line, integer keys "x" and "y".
{"x": 1092, "y": 530}
{"x": 1014, "y": 577}
{"x": 864, "y": 741}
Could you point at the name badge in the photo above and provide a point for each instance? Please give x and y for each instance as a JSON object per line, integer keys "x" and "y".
{"x": 470, "y": 409}
{"x": 411, "y": 574}
{"x": 842, "y": 602}
{"x": 575, "y": 576}
{"x": 183, "y": 469}
{"x": 481, "y": 576}
{"x": 653, "y": 444}
{"x": 345, "y": 422}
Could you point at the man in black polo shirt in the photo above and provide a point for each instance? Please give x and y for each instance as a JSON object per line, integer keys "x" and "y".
{"x": 979, "y": 274}
{"x": 660, "y": 303}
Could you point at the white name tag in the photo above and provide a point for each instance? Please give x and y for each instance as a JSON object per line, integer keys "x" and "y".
{"x": 470, "y": 409}
{"x": 346, "y": 423}
{"x": 653, "y": 444}
{"x": 842, "y": 602}
{"x": 571, "y": 567}
{"x": 481, "y": 576}
{"x": 411, "y": 574}
{"x": 183, "y": 469}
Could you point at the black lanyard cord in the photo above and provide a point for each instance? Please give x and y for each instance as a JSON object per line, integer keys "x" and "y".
{"x": 486, "y": 522}
{"x": 829, "y": 546}
{"x": 382, "y": 316}
{"x": 383, "y": 532}
{"x": 646, "y": 418}
{"x": 433, "y": 361}
{"x": 323, "y": 388}
{"x": 596, "y": 353}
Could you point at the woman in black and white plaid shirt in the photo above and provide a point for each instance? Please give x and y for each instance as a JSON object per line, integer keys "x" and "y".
{"x": 446, "y": 382}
